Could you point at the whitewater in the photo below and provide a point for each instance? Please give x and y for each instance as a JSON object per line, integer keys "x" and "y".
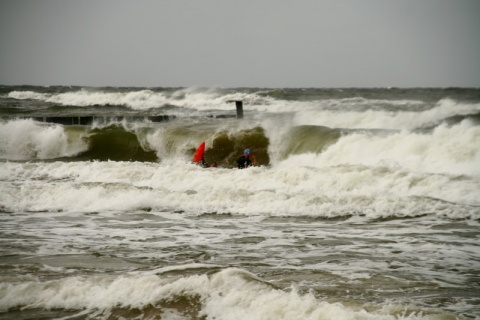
{"x": 365, "y": 204}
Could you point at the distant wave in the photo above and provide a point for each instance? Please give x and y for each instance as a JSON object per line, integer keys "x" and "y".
{"x": 342, "y": 112}
{"x": 388, "y": 119}
{"x": 144, "y": 99}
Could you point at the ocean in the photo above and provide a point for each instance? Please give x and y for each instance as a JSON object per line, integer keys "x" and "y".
{"x": 365, "y": 203}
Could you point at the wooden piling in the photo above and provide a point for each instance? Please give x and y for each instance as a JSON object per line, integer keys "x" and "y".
{"x": 239, "y": 105}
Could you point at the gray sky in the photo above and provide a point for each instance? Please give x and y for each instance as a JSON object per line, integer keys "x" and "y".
{"x": 225, "y": 43}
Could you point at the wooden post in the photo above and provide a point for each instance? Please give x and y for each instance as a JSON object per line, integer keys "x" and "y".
{"x": 239, "y": 104}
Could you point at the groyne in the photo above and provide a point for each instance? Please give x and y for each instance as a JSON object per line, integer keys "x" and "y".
{"x": 90, "y": 119}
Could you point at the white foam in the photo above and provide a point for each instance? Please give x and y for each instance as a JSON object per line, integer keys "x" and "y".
{"x": 300, "y": 190}
{"x": 382, "y": 119}
{"x": 27, "y": 139}
{"x": 25, "y": 95}
{"x": 229, "y": 294}
{"x": 450, "y": 150}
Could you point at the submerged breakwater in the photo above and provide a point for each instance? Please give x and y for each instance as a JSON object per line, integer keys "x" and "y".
{"x": 89, "y": 120}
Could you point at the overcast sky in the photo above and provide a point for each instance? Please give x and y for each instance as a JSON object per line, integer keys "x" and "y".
{"x": 226, "y": 43}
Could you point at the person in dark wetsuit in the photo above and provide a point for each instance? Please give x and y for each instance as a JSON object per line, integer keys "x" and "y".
{"x": 244, "y": 161}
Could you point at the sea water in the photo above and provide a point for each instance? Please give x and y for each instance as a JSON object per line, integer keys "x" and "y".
{"x": 365, "y": 204}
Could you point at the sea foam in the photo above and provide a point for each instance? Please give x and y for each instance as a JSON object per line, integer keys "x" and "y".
{"x": 448, "y": 149}
{"x": 384, "y": 119}
{"x": 280, "y": 191}
{"x": 27, "y": 139}
{"x": 229, "y": 294}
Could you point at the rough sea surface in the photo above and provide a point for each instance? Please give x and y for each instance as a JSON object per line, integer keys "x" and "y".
{"x": 365, "y": 204}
